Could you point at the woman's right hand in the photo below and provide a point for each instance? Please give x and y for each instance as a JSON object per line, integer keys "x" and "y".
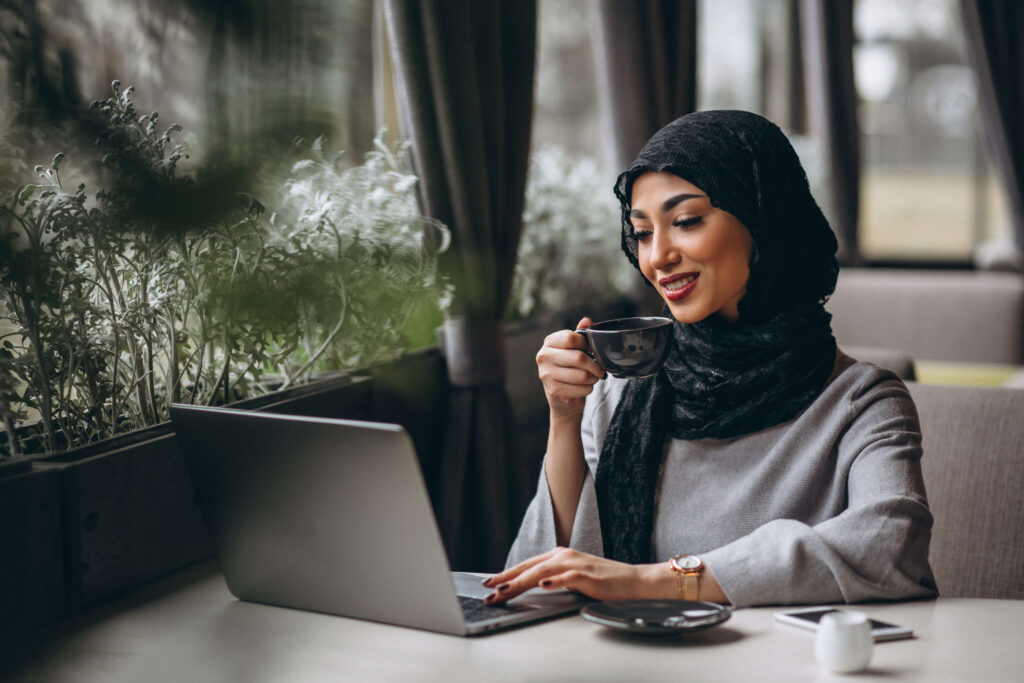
{"x": 566, "y": 371}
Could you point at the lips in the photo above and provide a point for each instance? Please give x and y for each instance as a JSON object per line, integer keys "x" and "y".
{"x": 679, "y": 286}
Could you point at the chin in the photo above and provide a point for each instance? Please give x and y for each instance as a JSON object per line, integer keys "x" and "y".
{"x": 685, "y": 314}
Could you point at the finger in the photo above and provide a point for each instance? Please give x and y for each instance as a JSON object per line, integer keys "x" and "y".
{"x": 584, "y": 344}
{"x": 573, "y": 580}
{"x": 514, "y": 587}
{"x": 581, "y": 374}
{"x": 551, "y": 564}
{"x": 565, "y": 339}
{"x": 557, "y": 393}
{"x": 551, "y": 361}
{"x": 583, "y": 361}
{"x": 514, "y": 571}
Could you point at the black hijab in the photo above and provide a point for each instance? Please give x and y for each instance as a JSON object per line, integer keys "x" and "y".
{"x": 724, "y": 380}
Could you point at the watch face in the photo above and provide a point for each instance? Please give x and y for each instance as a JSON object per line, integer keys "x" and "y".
{"x": 689, "y": 562}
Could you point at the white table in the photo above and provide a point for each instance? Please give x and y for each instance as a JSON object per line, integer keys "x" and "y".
{"x": 189, "y": 628}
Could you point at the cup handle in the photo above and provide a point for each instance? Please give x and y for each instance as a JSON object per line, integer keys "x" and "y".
{"x": 589, "y": 350}
{"x": 583, "y": 333}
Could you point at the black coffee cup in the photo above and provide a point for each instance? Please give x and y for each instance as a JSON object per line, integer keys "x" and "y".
{"x": 630, "y": 347}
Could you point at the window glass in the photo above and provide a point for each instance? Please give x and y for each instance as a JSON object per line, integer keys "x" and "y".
{"x": 748, "y": 55}
{"x": 927, "y": 191}
{"x": 728, "y": 54}
{"x": 566, "y": 112}
{"x": 569, "y": 256}
{"x": 252, "y": 69}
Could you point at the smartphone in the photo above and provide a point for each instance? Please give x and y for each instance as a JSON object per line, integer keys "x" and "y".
{"x": 810, "y": 617}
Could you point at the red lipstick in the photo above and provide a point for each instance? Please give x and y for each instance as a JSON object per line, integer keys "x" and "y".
{"x": 679, "y": 293}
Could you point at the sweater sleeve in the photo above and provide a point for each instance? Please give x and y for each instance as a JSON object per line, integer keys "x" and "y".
{"x": 876, "y": 549}
{"x": 537, "y": 532}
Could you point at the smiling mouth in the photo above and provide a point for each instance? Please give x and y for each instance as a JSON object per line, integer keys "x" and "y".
{"x": 679, "y": 287}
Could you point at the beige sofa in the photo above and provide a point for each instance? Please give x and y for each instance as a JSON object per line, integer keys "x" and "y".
{"x": 948, "y": 315}
{"x": 974, "y": 474}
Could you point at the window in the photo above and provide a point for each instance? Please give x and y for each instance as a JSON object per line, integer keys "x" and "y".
{"x": 569, "y": 253}
{"x": 728, "y": 55}
{"x": 566, "y": 112}
{"x": 927, "y": 190}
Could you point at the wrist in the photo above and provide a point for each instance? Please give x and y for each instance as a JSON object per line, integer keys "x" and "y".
{"x": 656, "y": 582}
{"x": 687, "y": 571}
{"x": 565, "y": 419}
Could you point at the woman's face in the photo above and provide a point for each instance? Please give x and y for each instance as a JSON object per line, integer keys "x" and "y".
{"x": 695, "y": 255}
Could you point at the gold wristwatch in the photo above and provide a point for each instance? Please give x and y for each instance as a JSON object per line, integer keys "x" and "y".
{"x": 687, "y": 569}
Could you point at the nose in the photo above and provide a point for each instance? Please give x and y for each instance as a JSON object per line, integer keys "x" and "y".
{"x": 663, "y": 250}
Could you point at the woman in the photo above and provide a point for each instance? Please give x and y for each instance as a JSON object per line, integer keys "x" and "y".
{"x": 760, "y": 465}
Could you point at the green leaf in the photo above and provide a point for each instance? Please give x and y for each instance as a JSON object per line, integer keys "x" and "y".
{"x": 26, "y": 193}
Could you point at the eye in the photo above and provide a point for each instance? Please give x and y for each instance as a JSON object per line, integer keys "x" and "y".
{"x": 687, "y": 222}
{"x": 641, "y": 235}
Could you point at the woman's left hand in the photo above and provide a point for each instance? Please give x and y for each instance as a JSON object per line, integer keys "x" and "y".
{"x": 593, "y": 576}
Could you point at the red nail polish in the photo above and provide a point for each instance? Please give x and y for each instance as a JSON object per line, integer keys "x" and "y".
{"x": 491, "y": 598}
{"x": 545, "y": 583}
{"x": 503, "y": 587}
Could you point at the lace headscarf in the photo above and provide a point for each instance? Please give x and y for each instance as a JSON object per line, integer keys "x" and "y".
{"x": 723, "y": 380}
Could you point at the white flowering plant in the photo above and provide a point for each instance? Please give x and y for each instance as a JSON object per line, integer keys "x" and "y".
{"x": 164, "y": 287}
{"x": 569, "y": 255}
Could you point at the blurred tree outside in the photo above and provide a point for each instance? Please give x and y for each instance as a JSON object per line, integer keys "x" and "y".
{"x": 237, "y": 74}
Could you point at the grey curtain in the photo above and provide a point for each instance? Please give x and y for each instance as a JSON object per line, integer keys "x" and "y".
{"x": 994, "y": 30}
{"x": 827, "y": 36}
{"x": 646, "y": 61}
{"x": 783, "y": 99}
{"x": 464, "y": 72}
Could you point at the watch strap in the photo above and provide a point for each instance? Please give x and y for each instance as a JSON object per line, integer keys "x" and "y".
{"x": 687, "y": 569}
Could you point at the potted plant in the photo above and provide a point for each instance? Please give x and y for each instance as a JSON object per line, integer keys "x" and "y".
{"x": 569, "y": 257}
{"x": 211, "y": 287}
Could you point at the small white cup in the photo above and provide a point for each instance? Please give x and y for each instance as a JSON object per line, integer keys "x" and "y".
{"x": 844, "y": 641}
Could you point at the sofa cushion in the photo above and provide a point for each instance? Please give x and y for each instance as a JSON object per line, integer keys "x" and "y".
{"x": 974, "y": 473}
{"x": 932, "y": 315}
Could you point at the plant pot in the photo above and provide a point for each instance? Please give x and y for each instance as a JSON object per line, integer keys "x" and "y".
{"x": 341, "y": 395}
{"x": 11, "y": 466}
{"x": 127, "y": 508}
{"x": 31, "y": 561}
{"x": 128, "y": 514}
{"x": 413, "y": 392}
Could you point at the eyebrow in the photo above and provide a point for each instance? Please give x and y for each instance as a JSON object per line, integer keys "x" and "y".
{"x": 668, "y": 204}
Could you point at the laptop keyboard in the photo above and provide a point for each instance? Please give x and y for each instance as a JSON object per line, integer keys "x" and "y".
{"x": 475, "y": 610}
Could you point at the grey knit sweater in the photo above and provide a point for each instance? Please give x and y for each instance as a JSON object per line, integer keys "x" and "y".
{"x": 828, "y": 507}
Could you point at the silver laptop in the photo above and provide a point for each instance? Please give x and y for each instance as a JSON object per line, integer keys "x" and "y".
{"x": 333, "y": 516}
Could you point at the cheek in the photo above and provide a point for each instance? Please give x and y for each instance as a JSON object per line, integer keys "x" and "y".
{"x": 643, "y": 259}
{"x": 729, "y": 252}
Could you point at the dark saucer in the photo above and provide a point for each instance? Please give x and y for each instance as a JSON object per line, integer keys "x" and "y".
{"x": 656, "y": 617}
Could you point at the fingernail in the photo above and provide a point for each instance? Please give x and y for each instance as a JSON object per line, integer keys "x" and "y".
{"x": 487, "y": 581}
{"x": 503, "y": 587}
{"x": 546, "y": 583}
{"x": 491, "y": 598}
